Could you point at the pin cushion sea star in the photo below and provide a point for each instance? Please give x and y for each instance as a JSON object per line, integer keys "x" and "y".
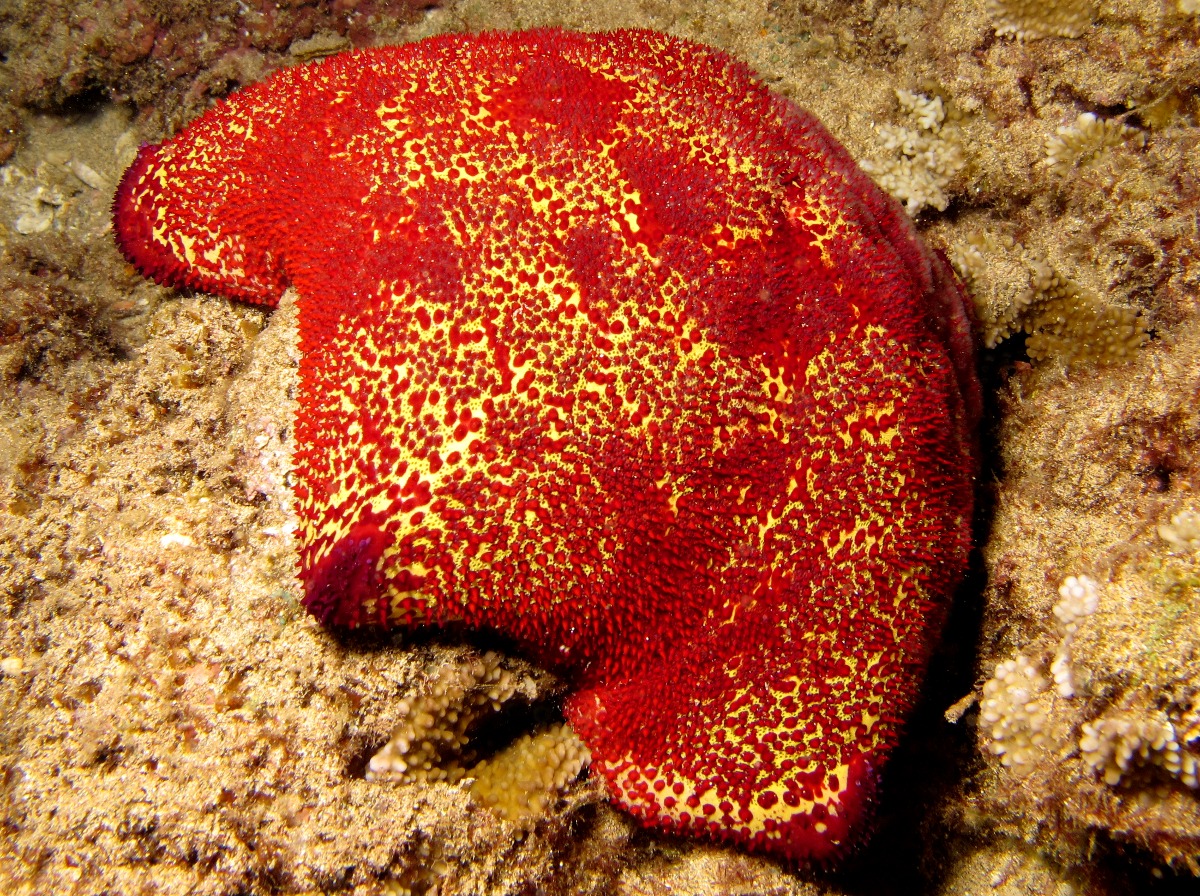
{"x": 609, "y": 349}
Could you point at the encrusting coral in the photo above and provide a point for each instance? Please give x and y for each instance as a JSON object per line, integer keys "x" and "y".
{"x": 1031, "y": 19}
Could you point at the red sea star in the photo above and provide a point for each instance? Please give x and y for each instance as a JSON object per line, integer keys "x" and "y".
{"x": 609, "y": 349}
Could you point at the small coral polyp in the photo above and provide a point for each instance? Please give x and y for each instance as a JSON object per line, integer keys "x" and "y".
{"x": 607, "y": 348}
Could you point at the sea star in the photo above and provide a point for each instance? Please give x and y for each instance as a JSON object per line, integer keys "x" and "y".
{"x": 609, "y": 349}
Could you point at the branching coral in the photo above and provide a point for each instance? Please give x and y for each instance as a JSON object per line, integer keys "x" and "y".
{"x": 432, "y": 742}
{"x": 520, "y": 781}
{"x": 1120, "y": 742}
{"x": 1183, "y": 532}
{"x": 1063, "y": 320}
{"x": 1031, "y": 19}
{"x": 1014, "y": 710}
{"x": 1078, "y": 599}
{"x": 1083, "y": 141}
{"x": 1068, "y": 322}
{"x": 925, "y": 155}
{"x": 1013, "y": 713}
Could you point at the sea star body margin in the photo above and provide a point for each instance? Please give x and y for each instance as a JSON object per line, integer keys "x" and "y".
{"x": 609, "y": 349}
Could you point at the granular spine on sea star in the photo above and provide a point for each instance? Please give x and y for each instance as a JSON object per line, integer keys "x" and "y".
{"x": 609, "y": 349}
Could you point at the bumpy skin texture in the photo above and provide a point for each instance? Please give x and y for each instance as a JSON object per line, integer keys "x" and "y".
{"x": 609, "y": 349}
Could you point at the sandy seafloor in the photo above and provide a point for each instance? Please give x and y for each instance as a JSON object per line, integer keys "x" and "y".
{"x": 172, "y": 722}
